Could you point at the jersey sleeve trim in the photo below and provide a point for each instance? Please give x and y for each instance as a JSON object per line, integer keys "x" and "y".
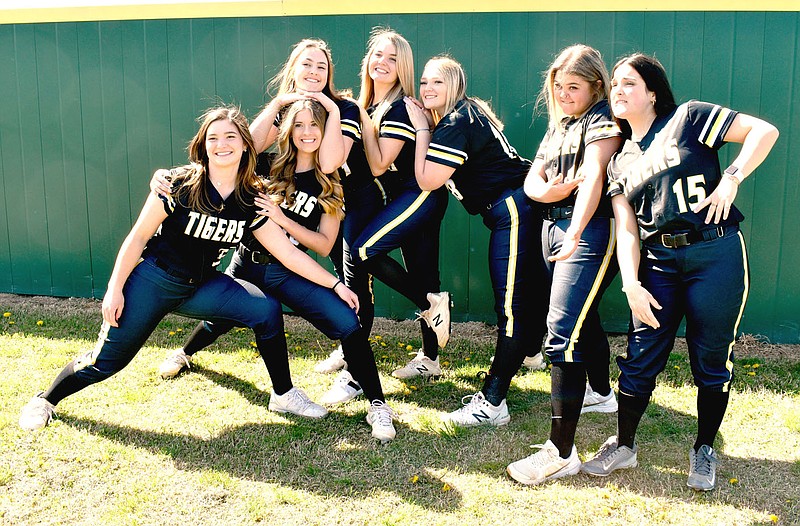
{"x": 445, "y": 155}
{"x": 352, "y": 129}
{"x": 716, "y": 126}
{"x": 397, "y": 130}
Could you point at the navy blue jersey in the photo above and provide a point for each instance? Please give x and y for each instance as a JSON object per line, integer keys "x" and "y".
{"x": 564, "y": 144}
{"x": 395, "y": 124}
{"x": 486, "y": 164}
{"x": 195, "y": 242}
{"x": 673, "y": 167}
{"x": 305, "y": 210}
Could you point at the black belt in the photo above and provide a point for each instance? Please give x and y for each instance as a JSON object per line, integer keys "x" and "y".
{"x": 689, "y": 238}
{"x": 254, "y": 256}
{"x": 174, "y": 272}
{"x": 555, "y": 213}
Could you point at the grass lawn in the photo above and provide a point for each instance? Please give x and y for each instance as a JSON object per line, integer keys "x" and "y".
{"x": 204, "y": 448}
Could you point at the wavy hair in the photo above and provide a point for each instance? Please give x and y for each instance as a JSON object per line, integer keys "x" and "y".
{"x": 281, "y": 185}
{"x": 195, "y": 184}
{"x": 283, "y": 82}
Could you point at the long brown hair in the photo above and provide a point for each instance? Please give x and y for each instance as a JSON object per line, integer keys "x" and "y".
{"x": 281, "y": 183}
{"x": 195, "y": 182}
{"x": 284, "y": 80}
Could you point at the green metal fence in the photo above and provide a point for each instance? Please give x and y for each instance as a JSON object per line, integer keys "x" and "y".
{"x": 89, "y": 109}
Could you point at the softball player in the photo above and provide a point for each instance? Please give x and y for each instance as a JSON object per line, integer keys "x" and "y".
{"x": 667, "y": 189}
{"x": 310, "y": 216}
{"x": 578, "y": 242}
{"x": 391, "y": 211}
{"x": 167, "y": 262}
{"x": 468, "y": 153}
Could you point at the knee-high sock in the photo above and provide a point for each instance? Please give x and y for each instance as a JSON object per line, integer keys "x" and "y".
{"x": 393, "y": 274}
{"x": 567, "y": 386}
{"x": 508, "y": 357}
{"x": 631, "y": 409}
{"x": 65, "y": 384}
{"x": 711, "y": 407}
{"x": 361, "y": 364}
{"x": 276, "y": 357}
{"x": 203, "y": 335}
{"x": 430, "y": 344}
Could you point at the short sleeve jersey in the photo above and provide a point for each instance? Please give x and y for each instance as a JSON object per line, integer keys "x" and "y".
{"x": 564, "y": 144}
{"x": 673, "y": 167}
{"x": 306, "y": 210}
{"x": 195, "y": 242}
{"x": 485, "y": 163}
{"x": 395, "y": 124}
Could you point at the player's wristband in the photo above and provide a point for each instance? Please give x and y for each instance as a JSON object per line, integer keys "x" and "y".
{"x": 733, "y": 178}
{"x": 338, "y": 282}
{"x": 422, "y": 129}
{"x": 630, "y": 286}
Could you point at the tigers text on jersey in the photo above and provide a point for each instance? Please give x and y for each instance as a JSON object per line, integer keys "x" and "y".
{"x": 673, "y": 167}
{"x": 193, "y": 242}
{"x": 306, "y": 210}
{"x": 484, "y": 161}
{"x": 563, "y": 146}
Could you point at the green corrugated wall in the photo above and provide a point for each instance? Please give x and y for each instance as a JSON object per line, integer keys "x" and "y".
{"x": 89, "y": 109}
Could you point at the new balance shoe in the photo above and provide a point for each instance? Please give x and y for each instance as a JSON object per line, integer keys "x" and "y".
{"x": 343, "y": 389}
{"x": 295, "y": 401}
{"x": 420, "y": 365}
{"x": 36, "y": 414}
{"x": 534, "y": 363}
{"x": 174, "y": 364}
{"x": 594, "y": 402}
{"x": 609, "y": 458}
{"x": 380, "y": 416}
{"x": 478, "y": 411}
{"x": 702, "y": 469}
{"x": 332, "y": 363}
{"x": 438, "y": 316}
{"x": 546, "y": 464}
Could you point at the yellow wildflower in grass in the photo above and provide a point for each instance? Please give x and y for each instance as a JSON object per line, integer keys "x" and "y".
{"x": 39, "y": 323}
{"x": 415, "y": 479}
{"x": 467, "y": 359}
{"x": 774, "y": 519}
{"x": 172, "y": 333}
{"x": 383, "y": 344}
{"x": 253, "y": 344}
{"x": 298, "y": 348}
{"x": 678, "y": 367}
{"x": 6, "y": 315}
{"x": 11, "y": 323}
{"x": 445, "y": 364}
{"x": 746, "y": 366}
{"x": 409, "y": 347}
{"x": 179, "y": 329}
{"x": 734, "y": 480}
{"x": 756, "y": 365}
{"x": 412, "y": 387}
{"x": 446, "y": 487}
{"x": 400, "y": 344}
{"x": 751, "y": 373}
{"x": 379, "y": 337}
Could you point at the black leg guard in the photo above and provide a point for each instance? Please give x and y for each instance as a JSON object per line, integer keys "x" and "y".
{"x": 361, "y": 364}
{"x": 204, "y": 334}
{"x": 508, "y": 357}
{"x": 711, "y": 407}
{"x": 567, "y": 386}
{"x": 631, "y": 409}
{"x": 65, "y": 384}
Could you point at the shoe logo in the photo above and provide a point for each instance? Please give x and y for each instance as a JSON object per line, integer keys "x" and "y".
{"x": 480, "y": 417}
{"x": 421, "y": 369}
{"x": 437, "y": 320}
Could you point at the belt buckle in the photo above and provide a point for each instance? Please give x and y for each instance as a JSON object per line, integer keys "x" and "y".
{"x": 674, "y": 240}
{"x": 253, "y": 257}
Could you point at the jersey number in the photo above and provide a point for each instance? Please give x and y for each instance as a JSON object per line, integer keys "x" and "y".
{"x": 695, "y": 191}
{"x": 510, "y": 151}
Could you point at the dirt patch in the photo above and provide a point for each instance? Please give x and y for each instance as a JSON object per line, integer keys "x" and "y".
{"x": 748, "y": 345}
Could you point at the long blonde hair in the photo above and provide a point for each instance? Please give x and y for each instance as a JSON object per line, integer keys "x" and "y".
{"x": 455, "y": 80}
{"x": 405, "y": 73}
{"x": 579, "y": 60}
{"x": 194, "y": 177}
{"x": 281, "y": 185}
{"x": 284, "y": 80}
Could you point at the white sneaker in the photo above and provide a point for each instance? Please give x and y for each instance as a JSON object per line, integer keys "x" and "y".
{"x": 295, "y": 401}
{"x": 332, "y": 363}
{"x": 420, "y": 365}
{"x": 176, "y": 362}
{"x": 438, "y": 316}
{"x": 594, "y": 402}
{"x": 534, "y": 363}
{"x": 344, "y": 388}
{"x": 546, "y": 464}
{"x": 478, "y": 411}
{"x": 380, "y": 417}
{"x": 36, "y": 414}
